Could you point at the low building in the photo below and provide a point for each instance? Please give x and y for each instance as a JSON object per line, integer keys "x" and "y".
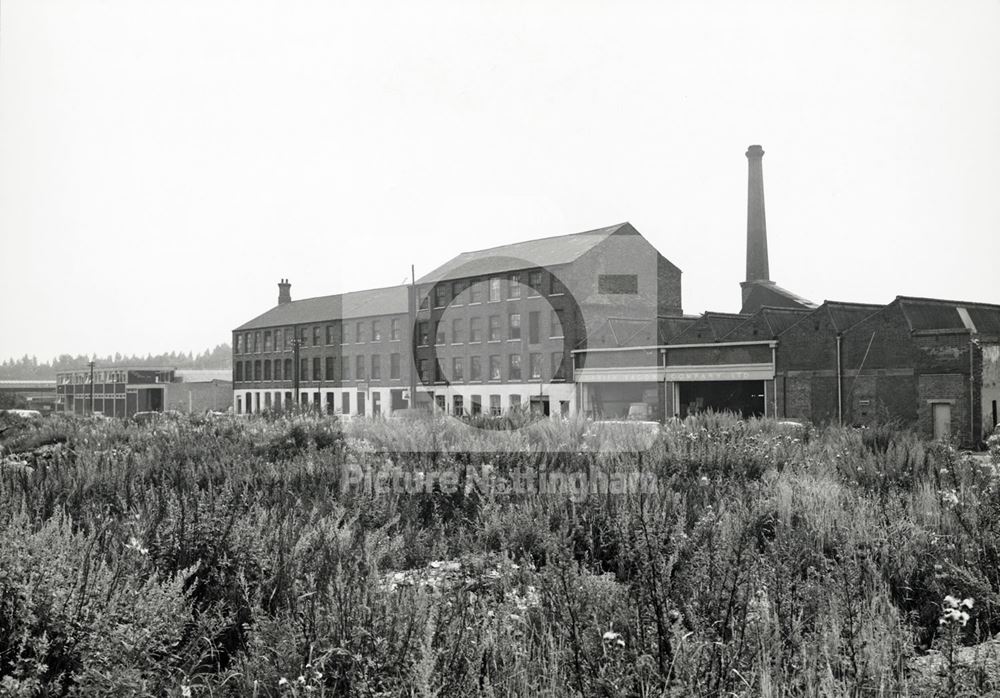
{"x": 123, "y": 391}
{"x": 28, "y": 394}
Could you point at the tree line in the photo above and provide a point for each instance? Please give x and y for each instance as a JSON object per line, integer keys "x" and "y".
{"x": 30, "y": 368}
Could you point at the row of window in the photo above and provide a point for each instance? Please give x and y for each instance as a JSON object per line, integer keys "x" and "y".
{"x": 494, "y": 365}
{"x": 326, "y": 368}
{"x": 363, "y": 368}
{"x": 255, "y": 404}
{"x": 282, "y": 339}
{"x": 80, "y": 377}
{"x": 427, "y": 329}
{"x": 495, "y": 289}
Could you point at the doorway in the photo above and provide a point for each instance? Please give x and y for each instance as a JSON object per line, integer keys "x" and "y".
{"x": 942, "y": 421}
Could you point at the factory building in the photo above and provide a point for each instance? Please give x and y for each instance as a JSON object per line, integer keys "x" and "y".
{"x": 124, "y": 391}
{"x": 593, "y": 323}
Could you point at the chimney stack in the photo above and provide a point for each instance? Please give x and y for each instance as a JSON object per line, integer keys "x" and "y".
{"x": 284, "y": 292}
{"x": 756, "y": 228}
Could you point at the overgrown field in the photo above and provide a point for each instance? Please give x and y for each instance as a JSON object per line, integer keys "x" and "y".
{"x": 231, "y": 557}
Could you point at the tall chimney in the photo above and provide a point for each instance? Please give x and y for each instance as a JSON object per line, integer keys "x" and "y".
{"x": 284, "y": 292}
{"x": 756, "y": 228}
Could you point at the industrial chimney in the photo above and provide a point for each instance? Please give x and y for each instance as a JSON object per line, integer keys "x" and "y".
{"x": 756, "y": 227}
{"x": 284, "y": 292}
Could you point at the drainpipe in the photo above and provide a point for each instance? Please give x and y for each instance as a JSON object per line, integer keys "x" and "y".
{"x": 840, "y": 382}
{"x": 972, "y": 395}
{"x": 774, "y": 381}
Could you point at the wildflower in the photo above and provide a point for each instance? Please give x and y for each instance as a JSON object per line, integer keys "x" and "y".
{"x": 185, "y": 691}
{"x": 134, "y": 544}
{"x": 301, "y": 679}
{"x": 613, "y": 638}
{"x": 282, "y": 681}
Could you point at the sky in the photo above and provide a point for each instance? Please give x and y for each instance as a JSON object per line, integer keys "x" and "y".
{"x": 164, "y": 164}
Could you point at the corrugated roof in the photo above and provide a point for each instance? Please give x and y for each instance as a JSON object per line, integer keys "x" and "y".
{"x": 842, "y": 315}
{"x": 390, "y": 300}
{"x": 940, "y": 314}
{"x": 540, "y": 252}
{"x": 670, "y": 327}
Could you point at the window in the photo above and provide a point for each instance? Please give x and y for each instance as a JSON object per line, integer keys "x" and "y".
{"x": 317, "y": 373}
{"x": 423, "y": 367}
{"x": 535, "y": 365}
{"x": 267, "y": 370}
{"x": 515, "y": 367}
{"x": 618, "y": 284}
{"x": 515, "y": 401}
{"x": 439, "y": 337}
{"x": 376, "y": 367}
{"x": 556, "y": 324}
{"x": 495, "y": 408}
{"x": 475, "y": 292}
{"x": 535, "y": 283}
{"x": 457, "y": 369}
{"x": 557, "y": 366}
{"x": 439, "y": 376}
{"x": 304, "y": 337}
{"x": 475, "y": 368}
{"x": 514, "y": 288}
{"x": 495, "y": 289}
{"x": 239, "y": 344}
{"x": 423, "y": 333}
{"x": 256, "y": 342}
{"x": 256, "y": 370}
{"x": 440, "y": 295}
{"x": 316, "y": 341}
{"x": 239, "y": 370}
{"x": 425, "y": 300}
{"x": 494, "y": 335}
{"x": 277, "y": 369}
{"x": 376, "y": 331}
{"x": 359, "y": 332}
{"x": 394, "y": 329}
{"x": 456, "y": 331}
{"x": 457, "y": 406}
{"x": 279, "y": 340}
{"x": 533, "y": 322}
{"x": 345, "y": 402}
{"x": 303, "y": 369}
{"x": 556, "y": 287}
{"x": 359, "y": 367}
{"x": 345, "y": 368}
{"x": 329, "y": 334}
{"x": 458, "y": 288}
{"x": 494, "y": 368}
{"x": 288, "y": 369}
{"x": 329, "y": 369}
{"x": 393, "y": 365}
{"x": 515, "y": 326}
{"x": 477, "y": 404}
{"x": 475, "y": 329}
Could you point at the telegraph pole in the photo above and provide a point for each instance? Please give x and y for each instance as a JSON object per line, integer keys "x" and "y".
{"x": 296, "y": 342}
{"x": 91, "y": 364}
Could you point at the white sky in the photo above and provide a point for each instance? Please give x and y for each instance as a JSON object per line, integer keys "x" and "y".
{"x": 163, "y": 164}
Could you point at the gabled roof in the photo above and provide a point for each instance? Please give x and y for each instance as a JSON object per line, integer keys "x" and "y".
{"x": 769, "y": 321}
{"x": 768, "y": 293}
{"x": 540, "y": 252}
{"x": 939, "y": 314}
{"x": 841, "y": 315}
{"x": 391, "y": 300}
{"x": 710, "y": 327}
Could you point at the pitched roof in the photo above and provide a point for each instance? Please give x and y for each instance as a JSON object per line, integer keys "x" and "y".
{"x": 939, "y": 314}
{"x": 773, "y": 321}
{"x": 842, "y": 315}
{"x": 710, "y": 327}
{"x": 540, "y": 252}
{"x": 390, "y": 300}
{"x": 768, "y": 293}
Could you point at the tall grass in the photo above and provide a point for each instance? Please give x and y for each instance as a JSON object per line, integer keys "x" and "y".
{"x": 226, "y": 557}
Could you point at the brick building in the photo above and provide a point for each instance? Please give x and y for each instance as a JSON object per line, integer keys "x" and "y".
{"x": 593, "y": 323}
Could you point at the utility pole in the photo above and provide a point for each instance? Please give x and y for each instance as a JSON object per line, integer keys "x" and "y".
{"x": 91, "y": 364}
{"x": 296, "y": 342}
